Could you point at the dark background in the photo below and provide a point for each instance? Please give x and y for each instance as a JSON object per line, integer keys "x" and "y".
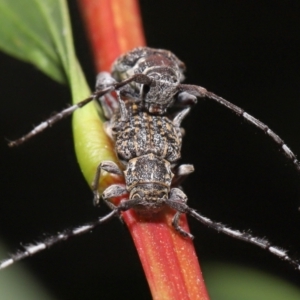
{"x": 246, "y": 52}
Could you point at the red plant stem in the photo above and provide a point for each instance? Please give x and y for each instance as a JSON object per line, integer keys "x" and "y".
{"x": 114, "y": 27}
{"x": 169, "y": 261}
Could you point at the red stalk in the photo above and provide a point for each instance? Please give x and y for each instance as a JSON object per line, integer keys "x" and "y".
{"x": 169, "y": 261}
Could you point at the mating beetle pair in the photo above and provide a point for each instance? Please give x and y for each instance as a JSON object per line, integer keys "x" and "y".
{"x": 148, "y": 141}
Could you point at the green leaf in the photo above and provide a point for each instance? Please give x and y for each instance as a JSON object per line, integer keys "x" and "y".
{"x": 35, "y": 32}
{"x": 231, "y": 282}
{"x": 39, "y": 32}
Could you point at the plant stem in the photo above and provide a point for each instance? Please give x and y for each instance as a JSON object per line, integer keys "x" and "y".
{"x": 169, "y": 261}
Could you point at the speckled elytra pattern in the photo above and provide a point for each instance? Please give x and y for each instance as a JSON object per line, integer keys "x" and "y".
{"x": 143, "y": 133}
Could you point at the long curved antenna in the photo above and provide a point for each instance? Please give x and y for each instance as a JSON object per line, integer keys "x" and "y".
{"x": 243, "y": 236}
{"x": 203, "y": 93}
{"x": 139, "y": 78}
{"x": 32, "y": 249}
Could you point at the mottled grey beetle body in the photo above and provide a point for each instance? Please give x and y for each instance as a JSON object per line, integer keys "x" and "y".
{"x": 146, "y": 145}
{"x": 148, "y": 169}
{"x": 142, "y": 133}
{"x": 148, "y": 179}
{"x": 147, "y": 140}
{"x": 161, "y": 65}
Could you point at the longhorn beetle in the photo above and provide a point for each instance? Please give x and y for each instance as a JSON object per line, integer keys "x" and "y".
{"x": 148, "y": 143}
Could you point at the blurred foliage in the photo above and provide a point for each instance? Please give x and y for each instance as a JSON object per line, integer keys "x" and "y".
{"x": 17, "y": 283}
{"x": 232, "y": 282}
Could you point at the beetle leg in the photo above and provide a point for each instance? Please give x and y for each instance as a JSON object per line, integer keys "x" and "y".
{"x": 109, "y": 167}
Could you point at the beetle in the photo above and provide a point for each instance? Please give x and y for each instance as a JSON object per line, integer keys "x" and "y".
{"x": 148, "y": 140}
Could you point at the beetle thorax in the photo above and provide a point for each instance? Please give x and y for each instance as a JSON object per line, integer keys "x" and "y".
{"x": 148, "y": 180}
